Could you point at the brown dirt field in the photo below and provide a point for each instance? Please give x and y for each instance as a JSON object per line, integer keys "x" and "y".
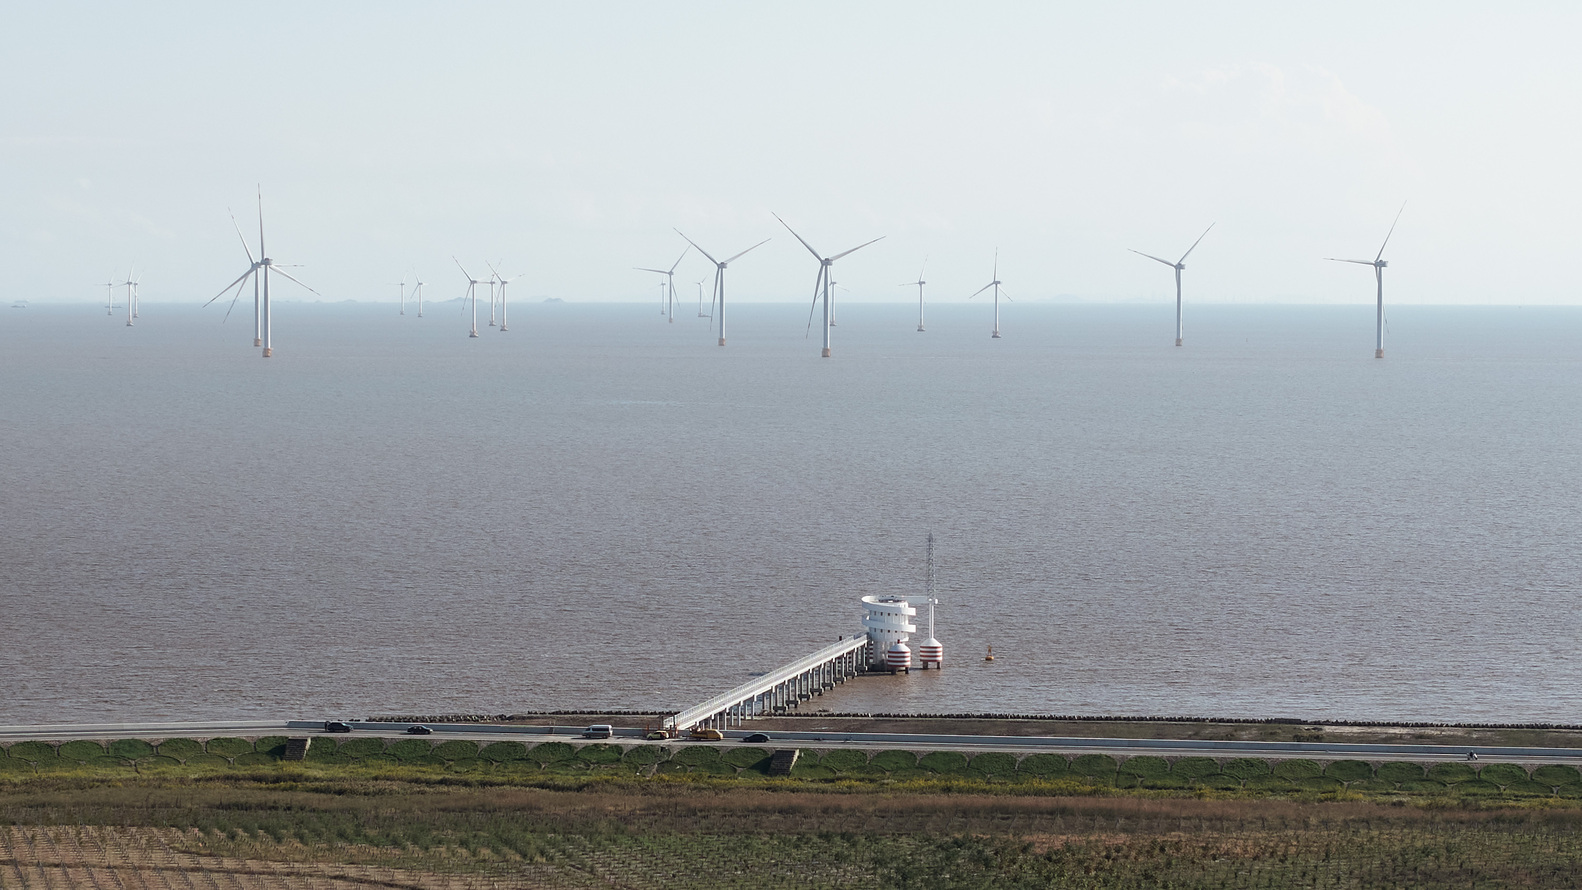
{"x": 161, "y": 859}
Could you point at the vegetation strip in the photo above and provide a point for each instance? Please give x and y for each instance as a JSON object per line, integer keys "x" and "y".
{"x": 507, "y": 759}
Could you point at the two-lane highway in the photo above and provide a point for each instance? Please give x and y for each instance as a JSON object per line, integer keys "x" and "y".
{"x": 485, "y": 732}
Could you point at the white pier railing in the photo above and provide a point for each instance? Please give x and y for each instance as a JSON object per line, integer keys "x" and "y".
{"x": 779, "y": 689}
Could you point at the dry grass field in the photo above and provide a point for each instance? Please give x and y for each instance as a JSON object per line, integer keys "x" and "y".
{"x": 335, "y": 828}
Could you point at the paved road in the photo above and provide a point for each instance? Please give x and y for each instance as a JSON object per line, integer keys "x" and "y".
{"x": 902, "y": 741}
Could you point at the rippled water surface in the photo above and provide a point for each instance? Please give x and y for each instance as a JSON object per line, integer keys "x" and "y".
{"x": 599, "y": 509}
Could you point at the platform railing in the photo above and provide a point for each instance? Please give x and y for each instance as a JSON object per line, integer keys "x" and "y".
{"x": 779, "y": 689}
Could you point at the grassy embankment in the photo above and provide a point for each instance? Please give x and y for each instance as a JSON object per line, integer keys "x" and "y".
{"x": 413, "y": 813}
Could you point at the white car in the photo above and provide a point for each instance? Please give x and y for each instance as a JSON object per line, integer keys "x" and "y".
{"x": 599, "y": 731}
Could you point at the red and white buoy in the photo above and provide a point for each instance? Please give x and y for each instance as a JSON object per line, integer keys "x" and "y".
{"x": 898, "y": 657}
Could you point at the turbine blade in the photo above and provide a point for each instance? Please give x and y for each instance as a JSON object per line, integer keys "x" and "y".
{"x": 1194, "y": 245}
{"x": 922, "y": 267}
{"x": 855, "y": 249}
{"x": 695, "y": 244}
{"x": 250, "y": 257}
{"x": 1391, "y": 232}
{"x": 310, "y": 290}
{"x": 1006, "y": 296}
{"x": 463, "y": 270}
{"x": 809, "y": 247}
{"x": 239, "y": 289}
{"x": 1358, "y": 262}
{"x": 817, "y": 282}
{"x": 1154, "y": 258}
{"x": 646, "y": 269}
{"x": 228, "y": 287}
{"x": 678, "y": 261}
{"x": 744, "y": 253}
{"x": 261, "y": 254}
{"x": 980, "y": 290}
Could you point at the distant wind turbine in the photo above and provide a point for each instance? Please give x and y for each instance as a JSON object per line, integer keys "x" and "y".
{"x": 1178, "y": 265}
{"x": 1378, "y": 263}
{"x": 997, "y": 292}
{"x": 493, "y": 280}
{"x": 259, "y": 272}
{"x": 700, "y": 298}
{"x": 472, "y": 294}
{"x": 417, "y": 291}
{"x": 719, "y": 278}
{"x": 823, "y": 281}
{"x": 919, "y": 282}
{"x": 503, "y": 282}
{"x": 402, "y": 285}
{"x": 109, "y": 298}
{"x": 131, "y": 295}
{"x": 670, "y": 285}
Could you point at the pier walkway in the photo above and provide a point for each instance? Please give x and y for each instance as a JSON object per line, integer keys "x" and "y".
{"x": 778, "y": 690}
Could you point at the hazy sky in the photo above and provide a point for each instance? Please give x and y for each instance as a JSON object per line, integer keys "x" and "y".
{"x": 567, "y": 139}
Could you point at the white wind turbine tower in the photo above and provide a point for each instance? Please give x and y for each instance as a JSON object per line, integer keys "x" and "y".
{"x": 833, "y": 287}
{"x": 719, "y": 278}
{"x": 1178, "y": 265}
{"x": 997, "y": 292}
{"x": 1378, "y": 263}
{"x": 493, "y": 280}
{"x": 472, "y": 295}
{"x": 919, "y": 282}
{"x": 402, "y": 285}
{"x": 109, "y": 298}
{"x": 417, "y": 291}
{"x": 823, "y": 281}
{"x": 503, "y": 282}
{"x": 131, "y": 295}
{"x": 670, "y": 284}
{"x": 700, "y": 298}
{"x": 259, "y": 272}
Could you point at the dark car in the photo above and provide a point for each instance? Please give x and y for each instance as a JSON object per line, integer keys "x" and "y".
{"x": 336, "y": 726}
{"x": 418, "y": 729}
{"x": 757, "y": 738}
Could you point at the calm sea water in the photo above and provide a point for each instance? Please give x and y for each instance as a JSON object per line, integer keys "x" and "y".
{"x": 599, "y": 509}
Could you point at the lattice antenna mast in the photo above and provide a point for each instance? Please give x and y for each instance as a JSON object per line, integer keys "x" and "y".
{"x": 930, "y": 588}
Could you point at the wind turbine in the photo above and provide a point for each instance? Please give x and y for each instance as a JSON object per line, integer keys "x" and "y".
{"x": 719, "y": 278}
{"x": 109, "y": 298}
{"x": 417, "y": 290}
{"x": 1378, "y": 263}
{"x": 1178, "y": 265}
{"x": 259, "y": 272}
{"x": 997, "y": 291}
{"x": 493, "y": 280}
{"x": 920, "y": 282}
{"x": 503, "y": 283}
{"x": 472, "y": 294}
{"x": 700, "y": 298}
{"x": 833, "y": 287}
{"x": 670, "y": 284}
{"x": 402, "y": 284}
{"x": 131, "y": 296}
{"x": 823, "y": 280}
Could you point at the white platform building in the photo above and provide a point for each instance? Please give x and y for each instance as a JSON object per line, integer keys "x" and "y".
{"x": 888, "y": 620}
